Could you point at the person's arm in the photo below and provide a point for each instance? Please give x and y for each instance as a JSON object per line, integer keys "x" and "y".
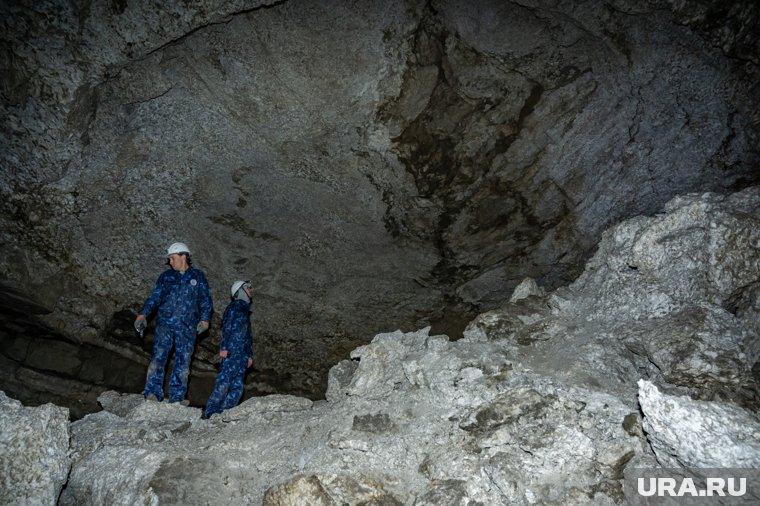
{"x": 206, "y": 304}
{"x": 234, "y": 331}
{"x": 153, "y": 301}
{"x": 246, "y": 345}
{"x": 226, "y": 331}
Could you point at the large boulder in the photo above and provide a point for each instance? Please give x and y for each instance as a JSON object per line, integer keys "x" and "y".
{"x": 34, "y": 453}
{"x": 690, "y": 433}
{"x": 672, "y": 298}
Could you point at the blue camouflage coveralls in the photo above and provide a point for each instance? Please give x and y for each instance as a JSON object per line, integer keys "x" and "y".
{"x": 237, "y": 339}
{"x": 183, "y": 301}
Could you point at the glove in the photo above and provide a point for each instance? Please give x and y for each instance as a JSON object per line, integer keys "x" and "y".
{"x": 141, "y": 324}
{"x": 202, "y": 327}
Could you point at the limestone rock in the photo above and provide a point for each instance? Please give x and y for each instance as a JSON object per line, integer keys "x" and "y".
{"x": 423, "y": 419}
{"x": 329, "y": 490}
{"x": 538, "y": 403}
{"x": 703, "y": 247}
{"x": 444, "y": 493}
{"x": 652, "y": 302}
{"x": 527, "y": 288}
{"x": 700, "y": 347}
{"x": 369, "y": 165}
{"x": 697, "y": 434}
{"x": 34, "y": 446}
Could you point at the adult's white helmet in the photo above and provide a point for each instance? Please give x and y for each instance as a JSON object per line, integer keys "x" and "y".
{"x": 237, "y": 285}
{"x": 177, "y": 247}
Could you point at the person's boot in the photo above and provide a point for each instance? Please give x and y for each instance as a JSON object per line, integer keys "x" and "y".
{"x": 151, "y": 397}
{"x": 185, "y": 402}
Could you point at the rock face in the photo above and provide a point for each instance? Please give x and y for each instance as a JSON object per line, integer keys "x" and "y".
{"x": 34, "y": 453}
{"x": 368, "y": 165}
{"x": 421, "y": 418}
{"x": 537, "y": 404}
{"x": 660, "y": 293}
{"x": 699, "y": 434}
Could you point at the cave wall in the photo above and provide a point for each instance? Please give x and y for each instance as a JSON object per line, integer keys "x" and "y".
{"x": 368, "y": 165}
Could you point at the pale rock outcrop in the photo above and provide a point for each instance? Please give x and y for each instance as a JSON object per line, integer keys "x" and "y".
{"x": 671, "y": 297}
{"x": 698, "y": 434}
{"x": 34, "y": 460}
{"x": 421, "y": 418}
{"x": 538, "y": 403}
{"x": 328, "y": 490}
{"x": 527, "y": 288}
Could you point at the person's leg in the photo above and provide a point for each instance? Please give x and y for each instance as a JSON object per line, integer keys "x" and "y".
{"x": 221, "y": 387}
{"x": 154, "y": 379}
{"x": 236, "y": 387}
{"x": 184, "y": 339}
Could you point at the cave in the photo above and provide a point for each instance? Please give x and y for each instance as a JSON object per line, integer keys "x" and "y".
{"x": 369, "y": 166}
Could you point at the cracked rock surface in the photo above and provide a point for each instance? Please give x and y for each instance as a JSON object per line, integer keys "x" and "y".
{"x": 34, "y": 455}
{"x": 548, "y": 399}
{"x": 368, "y": 165}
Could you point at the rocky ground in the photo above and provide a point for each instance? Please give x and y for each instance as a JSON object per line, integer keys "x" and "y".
{"x": 646, "y": 360}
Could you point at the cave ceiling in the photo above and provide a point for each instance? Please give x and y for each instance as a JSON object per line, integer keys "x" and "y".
{"x": 368, "y": 165}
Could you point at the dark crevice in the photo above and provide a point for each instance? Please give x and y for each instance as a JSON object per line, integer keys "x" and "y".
{"x": 530, "y": 104}
{"x": 229, "y": 17}
{"x": 170, "y": 88}
{"x": 29, "y": 344}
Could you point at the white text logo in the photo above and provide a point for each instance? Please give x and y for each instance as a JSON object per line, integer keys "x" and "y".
{"x": 713, "y": 487}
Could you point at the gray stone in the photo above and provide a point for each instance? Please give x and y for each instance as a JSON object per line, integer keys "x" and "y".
{"x": 270, "y": 403}
{"x": 329, "y": 490}
{"x": 369, "y": 165}
{"x": 34, "y": 460}
{"x": 119, "y": 404}
{"x": 527, "y": 288}
{"x": 538, "y": 403}
{"x": 445, "y": 493}
{"x": 339, "y": 379}
{"x": 698, "y": 346}
{"x": 697, "y": 434}
{"x": 690, "y": 253}
{"x": 378, "y": 423}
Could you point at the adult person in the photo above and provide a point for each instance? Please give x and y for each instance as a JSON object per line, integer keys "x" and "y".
{"x": 235, "y": 349}
{"x": 183, "y": 300}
